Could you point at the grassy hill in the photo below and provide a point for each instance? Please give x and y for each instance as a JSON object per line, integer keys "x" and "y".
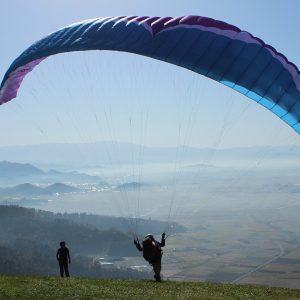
{"x": 24, "y": 287}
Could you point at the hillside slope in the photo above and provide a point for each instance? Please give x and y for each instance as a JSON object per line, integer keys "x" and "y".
{"x": 13, "y": 287}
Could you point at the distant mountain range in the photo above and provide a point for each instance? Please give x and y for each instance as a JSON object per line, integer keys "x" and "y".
{"x": 29, "y": 190}
{"x": 12, "y": 173}
{"x": 18, "y": 173}
{"x": 104, "y": 153}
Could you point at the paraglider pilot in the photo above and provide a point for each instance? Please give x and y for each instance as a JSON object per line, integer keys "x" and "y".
{"x": 63, "y": 257}
{"x": 152, "y": 252}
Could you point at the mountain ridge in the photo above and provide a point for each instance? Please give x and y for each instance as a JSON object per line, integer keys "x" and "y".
{"x": 14, "y": 173}
{"x": 100, "y": 153}
{"x": 28, "y": 189}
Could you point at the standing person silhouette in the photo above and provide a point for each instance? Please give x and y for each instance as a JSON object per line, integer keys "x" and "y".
{"x": 63, "y": 257}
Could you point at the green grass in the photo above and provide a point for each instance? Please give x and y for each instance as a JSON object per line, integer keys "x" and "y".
{"x": 25, "y": 287}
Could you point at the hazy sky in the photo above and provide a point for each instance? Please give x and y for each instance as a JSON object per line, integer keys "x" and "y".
{"x": 91, "y": 96}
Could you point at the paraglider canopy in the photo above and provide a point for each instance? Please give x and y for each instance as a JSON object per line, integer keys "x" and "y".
{"x": 215, "y": 49}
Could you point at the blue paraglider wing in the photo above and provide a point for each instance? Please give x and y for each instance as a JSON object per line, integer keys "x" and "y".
{"x": 211, "y": 48}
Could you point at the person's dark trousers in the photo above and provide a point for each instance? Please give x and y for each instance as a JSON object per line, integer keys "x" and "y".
{"x": 157, "y": 269}
{"x": 64, "y": 268}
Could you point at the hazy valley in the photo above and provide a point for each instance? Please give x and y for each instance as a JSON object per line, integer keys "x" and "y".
{"x": 231, "y": 223}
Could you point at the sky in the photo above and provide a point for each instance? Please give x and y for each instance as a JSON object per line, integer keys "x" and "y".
{"x": 94, "y": 96}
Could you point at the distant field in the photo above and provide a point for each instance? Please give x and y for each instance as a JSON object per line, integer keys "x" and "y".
{"x": 23, "y": 287}
{"x": 252, "y": 247}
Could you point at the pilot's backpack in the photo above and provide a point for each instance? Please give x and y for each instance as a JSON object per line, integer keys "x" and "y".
{"x": 151, "y": 251}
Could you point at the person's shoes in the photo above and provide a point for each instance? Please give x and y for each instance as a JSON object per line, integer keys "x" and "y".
{"x": 157, "y": 278}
